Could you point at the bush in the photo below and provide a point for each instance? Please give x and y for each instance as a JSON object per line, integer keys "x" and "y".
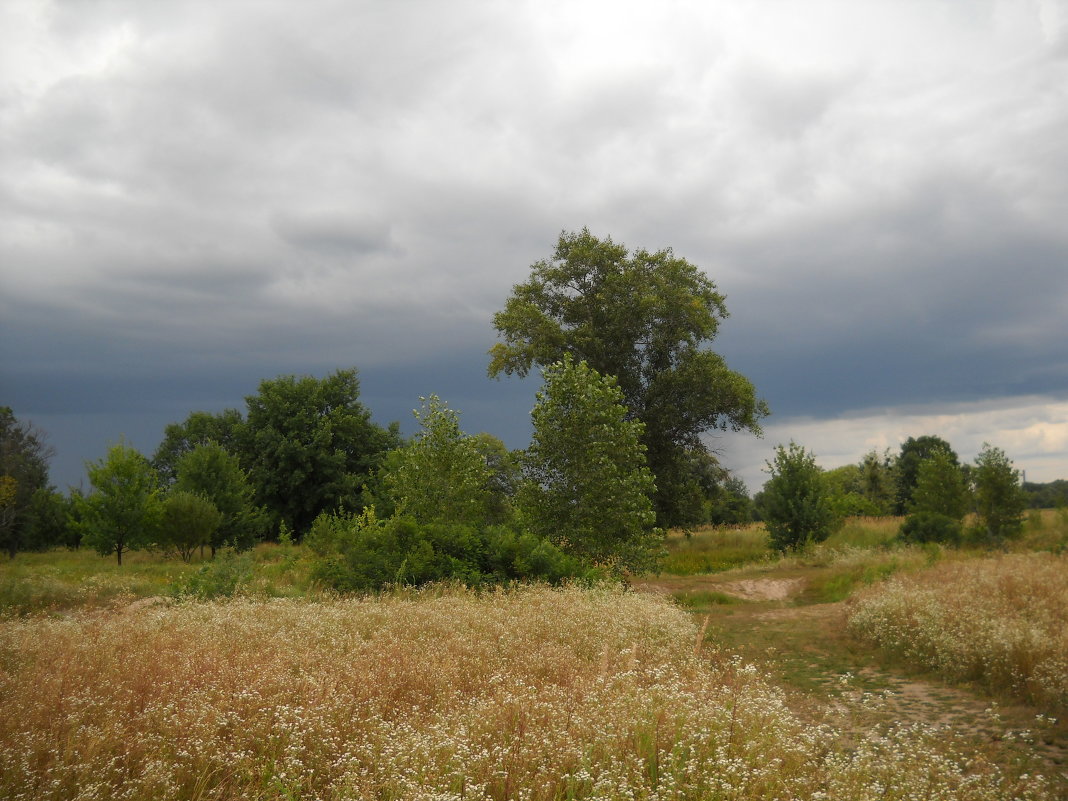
{"x": 931, "y": 527}
{"x": 360, "y": 553}
{"x": 797, "y": 507}
{"x": 223, "y": 577}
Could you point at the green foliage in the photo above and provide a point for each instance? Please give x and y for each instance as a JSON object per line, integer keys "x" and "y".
{"x": 729, "y": 503}
{"x": 940, "y": 487}
{"x": 48, "y": 521}
{"x": 123, "y": 509}
{"x": 228, "y": 575}
{"x": 846, "y": 486}
{"x": 209, "y": 471}
{"x": 199, "y": 428}
{"x": 586, "y": 484}
{"x": 930, "y": 526}
{"x": 503, "y": 479}
{"x": 361, "y": 553}
{"x": 24, "y": 457}
{"x": 1050, "y": 495}
{"x": 999, "y": 500}
{"x": 646, "y": 319}
{"x": 797, "y": 506}
{"x": 186, "y": 523}
{"x": 441, "y": 475}
{"x": 309, "y": 445}
{"x": 878, "y": 480}
{"x": 914, "y": 451}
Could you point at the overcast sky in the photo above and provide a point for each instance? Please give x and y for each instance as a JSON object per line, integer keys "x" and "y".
{"x": 195, "y": 196}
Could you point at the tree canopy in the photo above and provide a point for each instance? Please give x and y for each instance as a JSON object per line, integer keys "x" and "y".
{"x": 797, "y": 506}
{"x": 123, "y": 509}
{"x": 199, "y": 428}
{"x": 587, "y": 486}
{"x": 308, "y": 445}
{"x": 914, "y": 451}
{"x": 441, "y": 476}
{"x": 999, "y": 499}
{"x": 645, "y": 318}
{"x": 24, "y": 458}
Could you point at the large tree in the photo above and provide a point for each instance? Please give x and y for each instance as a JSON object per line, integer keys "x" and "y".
{"x": 586, "y": 484}
{"x": 308, "y": 445}
{"x": 647, "y": 319}
{"x": 24, "y": 457}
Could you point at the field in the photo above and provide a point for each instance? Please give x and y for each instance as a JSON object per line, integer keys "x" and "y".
{"x": 236, "y": 679}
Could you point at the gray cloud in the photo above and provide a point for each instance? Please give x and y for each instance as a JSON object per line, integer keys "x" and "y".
{"x": 195, "y": 197}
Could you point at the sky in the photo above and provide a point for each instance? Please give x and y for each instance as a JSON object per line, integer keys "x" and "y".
{"x": 197, "y": 196}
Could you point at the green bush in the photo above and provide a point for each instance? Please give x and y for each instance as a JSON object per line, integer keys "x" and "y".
{"x": 360, "y": 553}
{"x": 922, "y": 527}
{"x": 223, "y": 577}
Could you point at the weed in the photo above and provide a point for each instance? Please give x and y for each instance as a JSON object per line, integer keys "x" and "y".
{"x": 1001, "y": 621}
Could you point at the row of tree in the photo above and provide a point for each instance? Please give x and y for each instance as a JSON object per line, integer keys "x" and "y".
{"x": 801, "y": 503}
{"x": 618, "y": 453}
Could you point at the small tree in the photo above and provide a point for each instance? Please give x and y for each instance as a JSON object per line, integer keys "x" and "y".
{"x": 199, "y": 428}
{"x": 914, "y": 451}
{"x": 797, "y": 507}
{"x": 940, "y": 487}
{"x": 939, "y": 501}
{"x": 999, "y": 500}
{"x": 211, "y": 472}
{"x": 122, "y": 511}
{"x": 587, "y": 487}
{"x": 187, "y": 523}
{"x": 441, "y": 475}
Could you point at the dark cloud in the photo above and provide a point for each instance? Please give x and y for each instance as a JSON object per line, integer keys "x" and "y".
{"x": 196, "y": 197}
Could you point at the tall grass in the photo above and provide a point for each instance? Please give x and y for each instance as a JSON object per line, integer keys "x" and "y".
{"x": 531, "y": 694}
{"x": 60, "y": 580}
{"x": 715, "y": 548}
{"x": 1001, "y": 621}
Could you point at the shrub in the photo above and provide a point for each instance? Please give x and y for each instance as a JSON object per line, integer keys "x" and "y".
{"x": 224, "y": 577}
{"x": 360, "y": 553}
{"x": 925, "y": 527}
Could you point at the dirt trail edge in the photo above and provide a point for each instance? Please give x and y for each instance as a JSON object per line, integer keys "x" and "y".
{"x": 807, "y": 649}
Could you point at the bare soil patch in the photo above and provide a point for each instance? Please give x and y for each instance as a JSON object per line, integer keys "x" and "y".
{"x": 763, "y": 589}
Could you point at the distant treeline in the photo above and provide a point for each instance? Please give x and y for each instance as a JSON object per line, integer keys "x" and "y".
{"x": 1051, "y": 495}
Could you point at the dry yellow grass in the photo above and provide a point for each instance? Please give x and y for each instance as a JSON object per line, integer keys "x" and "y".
{"x": 1002, "y": 621}
{"x": 530, "y": 694}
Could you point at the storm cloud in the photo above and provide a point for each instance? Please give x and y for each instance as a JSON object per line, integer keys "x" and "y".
{"x": 197, "y": 196}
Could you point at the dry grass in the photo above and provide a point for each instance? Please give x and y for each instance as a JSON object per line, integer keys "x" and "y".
{"x": 1002, "y": 621}
{"x": 530, "y": 694}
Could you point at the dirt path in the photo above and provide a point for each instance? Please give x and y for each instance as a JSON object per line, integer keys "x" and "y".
{"x": 807, "y": 649}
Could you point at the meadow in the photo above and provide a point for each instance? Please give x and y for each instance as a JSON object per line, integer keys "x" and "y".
{"x": 239, "y": 678}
